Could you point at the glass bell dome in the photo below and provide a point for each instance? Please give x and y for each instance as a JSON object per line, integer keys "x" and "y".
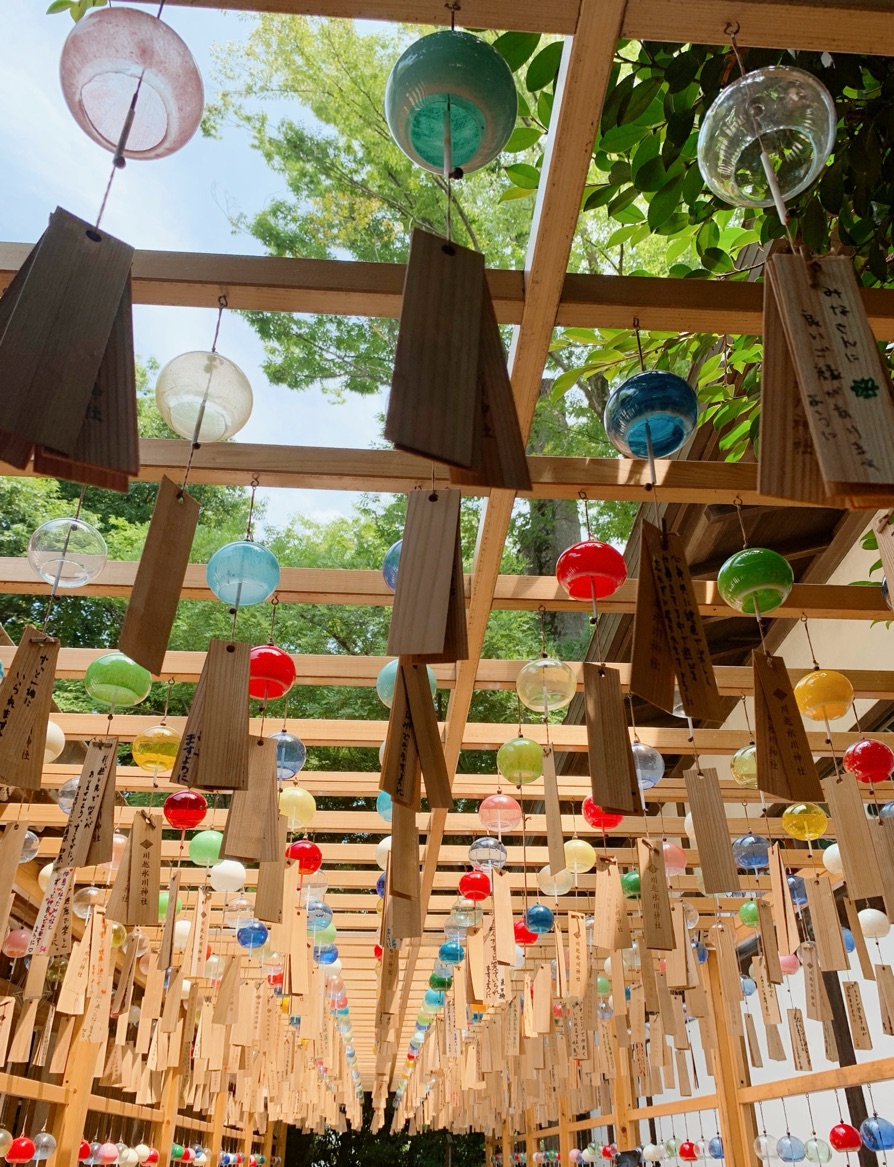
{"x": 206, "y": 390}
{"x": 651, "y": 406}
{"x": 785, "y": 108}
{"x": 67, "y": 553}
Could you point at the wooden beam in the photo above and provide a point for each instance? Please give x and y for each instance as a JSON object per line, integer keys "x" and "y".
{"x": 880, "y": 1070}
{"x": 353, "y": 288}
{"x": 769, "y": 23}
{"x": 391, "y": 471}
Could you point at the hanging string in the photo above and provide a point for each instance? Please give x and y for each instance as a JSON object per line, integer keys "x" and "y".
{"x": 770, "y": 174}
{"x": 54, "y": 590}
{"x": 809, "y": 641}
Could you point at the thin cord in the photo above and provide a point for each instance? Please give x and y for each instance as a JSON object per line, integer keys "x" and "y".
{"x": 55, "y": 588}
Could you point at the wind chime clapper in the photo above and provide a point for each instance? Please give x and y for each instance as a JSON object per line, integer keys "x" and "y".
{"x": 451, "y": 399}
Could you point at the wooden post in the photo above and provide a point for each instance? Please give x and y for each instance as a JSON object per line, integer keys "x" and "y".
{"x": 488, "y": 1151}
{"x": 165, "y": 1125}
{"x": 530, "y": 1135}
{"x": 856, "y": 1102}
{"x": 564, "y": 1131}
{"x": 69, "y": 1118}
{"x": 506, "y": 1146}
{"x": 269, "y": 1138}
{"x": 218, "y": 1117}
{"x": 626, "y": 1128}
{"x": 738, "y": 1128}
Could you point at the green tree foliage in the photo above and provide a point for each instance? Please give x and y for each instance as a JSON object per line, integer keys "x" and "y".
{"x": 645, "y": 182}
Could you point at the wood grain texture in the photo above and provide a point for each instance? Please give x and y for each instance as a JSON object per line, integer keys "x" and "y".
{"x": 719, "y": 872}
{"x": 612, "y": 773}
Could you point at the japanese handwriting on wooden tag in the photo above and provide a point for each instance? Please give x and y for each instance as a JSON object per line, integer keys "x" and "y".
{"x": 428, "y": 737}
{"x": 856, "y": 1015}
{"x": 577, "y": 955}
{"x": 611, "y": 928}
{"x": 715, "y": 854}
{"x": 552, "y": 809}
{"x": 51, "y": 911}
{"x": 853, "y": 832}
{"x": 798, "y": 1035}
{"x": 658, "y": 926}
{"x": 429, "y": 599}
{"x": 817, "y": 1003}
{"x": 159, "y": 581}
{"x": 785, "y": 766}
{"x": 116, "y": 908}
{"x": 766, "y": 916}
{"x": 90, "y": 800}
{"x": 252, "y": 820}
{"x": 612, "y": 773}
{"x": 145, "y": 869}
{"x": 400, "y": 762}
{"x": 431, "y": 408}
{"x": 676, "y": 646}
{"x": 166, "y": 948}
{"x": 844, "y": 385}
{"x": 194, "y": 960}
{"x": 26, "y": 696}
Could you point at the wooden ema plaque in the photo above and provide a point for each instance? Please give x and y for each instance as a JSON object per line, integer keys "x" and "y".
{"x": 428, "y": 620}
{"x": 107, "y": 450}
{"x": 553, "y": 811}
{"x": 785, "y": 766}
{"x": 213, "y": 753}
{"x": 668, "y": 636}
{"x": 253, "y": 818}
{"x": 844, "y": 390}
{"x": 159, "y": 581}
{"x": 612, "y": 773}
{"x": 413, "y": 742}
{"x": 432, "y": 406}
{"x": 715, "y": 854}
{"x": 26, "y": 699}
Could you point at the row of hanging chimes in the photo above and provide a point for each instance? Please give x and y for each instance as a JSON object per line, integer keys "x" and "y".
{"x": 66, "y": 358}
{"x": 428, "y": 623}
{"x": 826, "y": 407}
{"x": 451, "y": 399}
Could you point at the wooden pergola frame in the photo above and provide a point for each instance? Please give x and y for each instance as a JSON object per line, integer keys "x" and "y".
{"x": 534, "y": 300}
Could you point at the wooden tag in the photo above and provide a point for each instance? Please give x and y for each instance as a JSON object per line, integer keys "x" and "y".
{"x": 428, "y": 737}
{"x": 400, "y": 762}
{"x": 884, "y": 976}
{"x": 754, "y": 1049}
{"x": 785, "y": 765}
{"x": 107, "y": 450}
{"x": 503, "y": 926}
{"x": 611, "y": 928}
{"x": 853, "y": 922}
{"x": 854, "y": 835}
{"x": 213, "y": 752}
{"x": 766, "y": 923}
{"x": 501, "y": 460}
{"x": 427, "y": 583}
{"x": 269, "y": 895}
{"x": 830, "y": 949}
{"x": 577, "y": 955}
{"x": 159, "y": 581}
{"x": 884, "y": 531}
{"x": 670, "y": 629}
{"x": 612, "y": 773}
{"x": 253, "y": 818}
{"x": 798, "y": 1035}
{"x": 97, "y": 772}
{"x": 816, "y": 998}
{"x": 682, "y": 970}
{"x": 856, "y": 1015}
{"x": 431, "y": 409}
{"x": 775, "y": 1048}
{"x": 715, "y": 854}
{"x": 145, "y": 868}
{"x": 11, "y": 843}
{"x": 554, "y": 838}
{"x": 788, "y": 467}
{"x": 787, "y": 936}
{"x": 882, "y": 832}
{"x": 26, "y": 697}
{"x": 116, "y": 908}
{"x": 844, "y": 385}
{"x": 657, "y": 924}
{"x": 58, "y": 330}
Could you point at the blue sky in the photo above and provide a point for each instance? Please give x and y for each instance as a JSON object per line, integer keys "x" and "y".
{"x": 178, "y": 203}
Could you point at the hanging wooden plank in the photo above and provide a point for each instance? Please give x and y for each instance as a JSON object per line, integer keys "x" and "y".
{"x": 769, "y": 943}
{"x": 428, "y": 738}
{"x": 679, "y": 636}
{"x": 156, "y": 590}
{"x": 61, "y": 319}
{"x": 611, "y": 928}
{"x": 853, "y": 922}
{"x": 553, "y": 813}
{"x": 788, "y": 467}
{"x": 213, "y": 752}
{"x": 252, "y": 820}
{"x": 116, "y": 906}
{"x": 830, "y": 949}
{"x": 26, "y": 698}
{"x": 503, "y": 926}
{"x": 612, "y": 772}
{"x": 501, "y": 460}
{"x": 652, "y": 674}
{"x": 785, "y": 766}
{"x": 107, "y": 452}
{"x": 719, "y": 872}
{"x": 427, "y": 583}
{"x": 99, "y": 765}
{"x": 434, "y": 386}
{"x": 399, "y": 776}
{"x": 145, "y": 868}
{"x": 404, "y": 853}
{"x": 658, "y": 926}
{"x": 787, "y": 935}
{"x": 882, "y": 832}
{"x": 853, "y": 833}
{"x": 844, "y": 385}
{"x": 269, "y": 894}
{"x": 11, "y": 843}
